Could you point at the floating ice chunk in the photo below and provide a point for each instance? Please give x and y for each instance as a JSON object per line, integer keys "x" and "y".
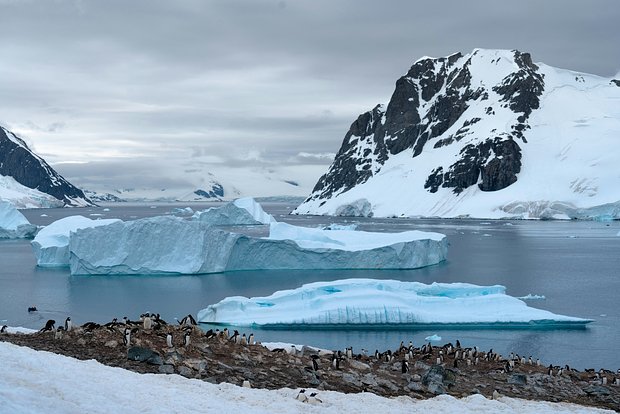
{"x": 340, "y": 227}
{"x": 529, "y": 296}
{"x": 173, "y": 245}
{"x": 362, "y": 302}
{"x": 13, "y": 224}
{"x": 51, "y": 246}
{"x": 433, "y": 338}
{"x": 106, "y": 209}
{"x": 241, "y": 212}
{"x": 182, "y": 211}
{"x": 358, "y": 208}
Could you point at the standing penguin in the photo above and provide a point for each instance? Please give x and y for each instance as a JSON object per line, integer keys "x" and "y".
{"x": 335, "y": 362}
{"x": 244, "y": 340}
{"x": 3, "y": 329}
{"x": 147, "y": 322}
{"x": 169, "y": 340}
{"x": 251, "y": 339}
{"x": 186, "y": 339}
{"x": 68, "y": 324}
{"x": 235, "y": 337}
{"x": 58, "y": 333}
{"x": 315, "y": 364}
{"x": 127, "y": 337}
{"x": 404, "y": 367}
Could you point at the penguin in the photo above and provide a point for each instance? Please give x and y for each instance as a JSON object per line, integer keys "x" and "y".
{"x": 188, "y": 320}
{"x": 377, "y": 354}
{"x": 335, "y": 362}
{"x": 32, "y": 309}
{"x": 458, "y": 343}
{"x": 604, "y": 380}
{"x": 210, "y": 334}
{"x": 89, "y": 326}
{"x": 68, "y": 324}
{"x": 49, "y": 326}
{"x": 550, "y": 370}
{"x": 3, "y": 329}
{"x": 58, "y": 333}
{"x": 315, "y": 364}
{"x": 529, "y": 360}
{"x": 225, "y": 333}
{"x": 234, "y": 336}
{"x": 537, "y": 362}
{"x": 186, "y": 339}
{"x": 349, "y": 352}
{"x": 496, "y": 395}
{"x": 147, "y": 322}
{"x": 159, "y": 320}
{"x": 127, "y": 337}
{"x": 246, "y": 384}
{"x": 301, "y": 396}
{"x": 404, "y": 366}
{"x": 111, "y": 325}
{"x": 439, "y": 361}
{"x": 169, "y": 340}
{"x": 313, "y": 399}
{"x": 251, "y": 339}
{"x": 243, "y": 340}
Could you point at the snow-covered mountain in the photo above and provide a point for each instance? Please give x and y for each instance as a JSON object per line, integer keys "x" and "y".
{"x": 28, "y": 181}
{"x": 487, "y": 134}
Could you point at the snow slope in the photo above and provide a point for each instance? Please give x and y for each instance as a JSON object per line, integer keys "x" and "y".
{"x": 39, "y": 382}
{"x": 513, "y": 139}
{"x": 363, "y": 302}
{"x": 23, "y": 197}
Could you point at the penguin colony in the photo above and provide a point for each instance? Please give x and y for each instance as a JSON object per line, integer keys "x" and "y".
{"x": 150, "y": 330}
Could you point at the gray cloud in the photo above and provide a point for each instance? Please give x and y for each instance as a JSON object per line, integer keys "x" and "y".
{"x": 248, "y": 83}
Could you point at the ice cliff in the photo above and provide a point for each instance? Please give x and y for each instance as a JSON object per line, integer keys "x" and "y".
{"x": 172, "y": 245}
{"x": 13, "y": 224}
{"x": 366, "y": 302}
{"x": 51, "y": 245}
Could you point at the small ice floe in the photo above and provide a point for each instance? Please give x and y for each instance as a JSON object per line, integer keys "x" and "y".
{"x": 95, "y": 214}
{"x": 486, "y": 235}
{"x": 45, "y": 215}
{"x": 106, "y": 209}
{"x": 433, "y": 338}
{"x": 529, "y": 296}
{"x": 153, "y": 207}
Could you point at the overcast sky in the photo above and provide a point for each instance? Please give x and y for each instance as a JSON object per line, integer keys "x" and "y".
{"x": 107, "y": 91}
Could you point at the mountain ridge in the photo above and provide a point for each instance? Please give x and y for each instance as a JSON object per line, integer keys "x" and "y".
{"x": 469, "y": 126}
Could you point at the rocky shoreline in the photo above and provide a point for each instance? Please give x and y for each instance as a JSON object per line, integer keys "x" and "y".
{"x": 215, "y": 357}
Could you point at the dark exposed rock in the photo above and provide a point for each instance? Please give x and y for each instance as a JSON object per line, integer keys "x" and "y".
{"x": 141, "y": 354}
{"x": 216, "y": 191}
{"x": 496, "y": 162}
{"x": 616, "y": 82}
{"x": 30, "y": 170}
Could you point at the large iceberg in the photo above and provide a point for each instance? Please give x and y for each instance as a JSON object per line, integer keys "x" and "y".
{"x": 241, "y": 212}
{"x": 385, "y": 303}
{"x": 51, "y": 245}
{"x": 13, "y": 224}
{"x": 173, "y": 245}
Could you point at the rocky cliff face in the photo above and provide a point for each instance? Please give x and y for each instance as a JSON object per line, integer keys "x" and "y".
{"x": 456, "y": 123}
{"x": 30, "y": 170}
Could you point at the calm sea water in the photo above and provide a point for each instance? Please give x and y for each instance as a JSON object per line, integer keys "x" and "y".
{"x": 576, "y": 265}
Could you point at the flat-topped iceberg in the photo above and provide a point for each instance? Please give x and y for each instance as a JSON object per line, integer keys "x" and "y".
{"x": 51, "y": 245}
{"x": 241, "y": 212}
{"x": 13, "y": 224}
{"x": 383, "y": 303}
{"x": 172, "y": 245}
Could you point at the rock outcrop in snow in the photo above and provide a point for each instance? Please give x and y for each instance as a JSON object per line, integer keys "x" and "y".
{"x": 364, "y": 302}
{"x": 13, "y": 224}
{"x": 173, "y": 245}
{"x": 31, "y": 171}
{"x": 471, "y": 135}
{"x": 51, "y": 245}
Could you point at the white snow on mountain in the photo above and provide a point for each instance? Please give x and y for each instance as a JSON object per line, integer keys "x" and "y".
{"x": 23, "y": 197}
{"x": 362, "y": 302}
{"x": 569, "y": 150}
{"x": 40, "y": 382}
